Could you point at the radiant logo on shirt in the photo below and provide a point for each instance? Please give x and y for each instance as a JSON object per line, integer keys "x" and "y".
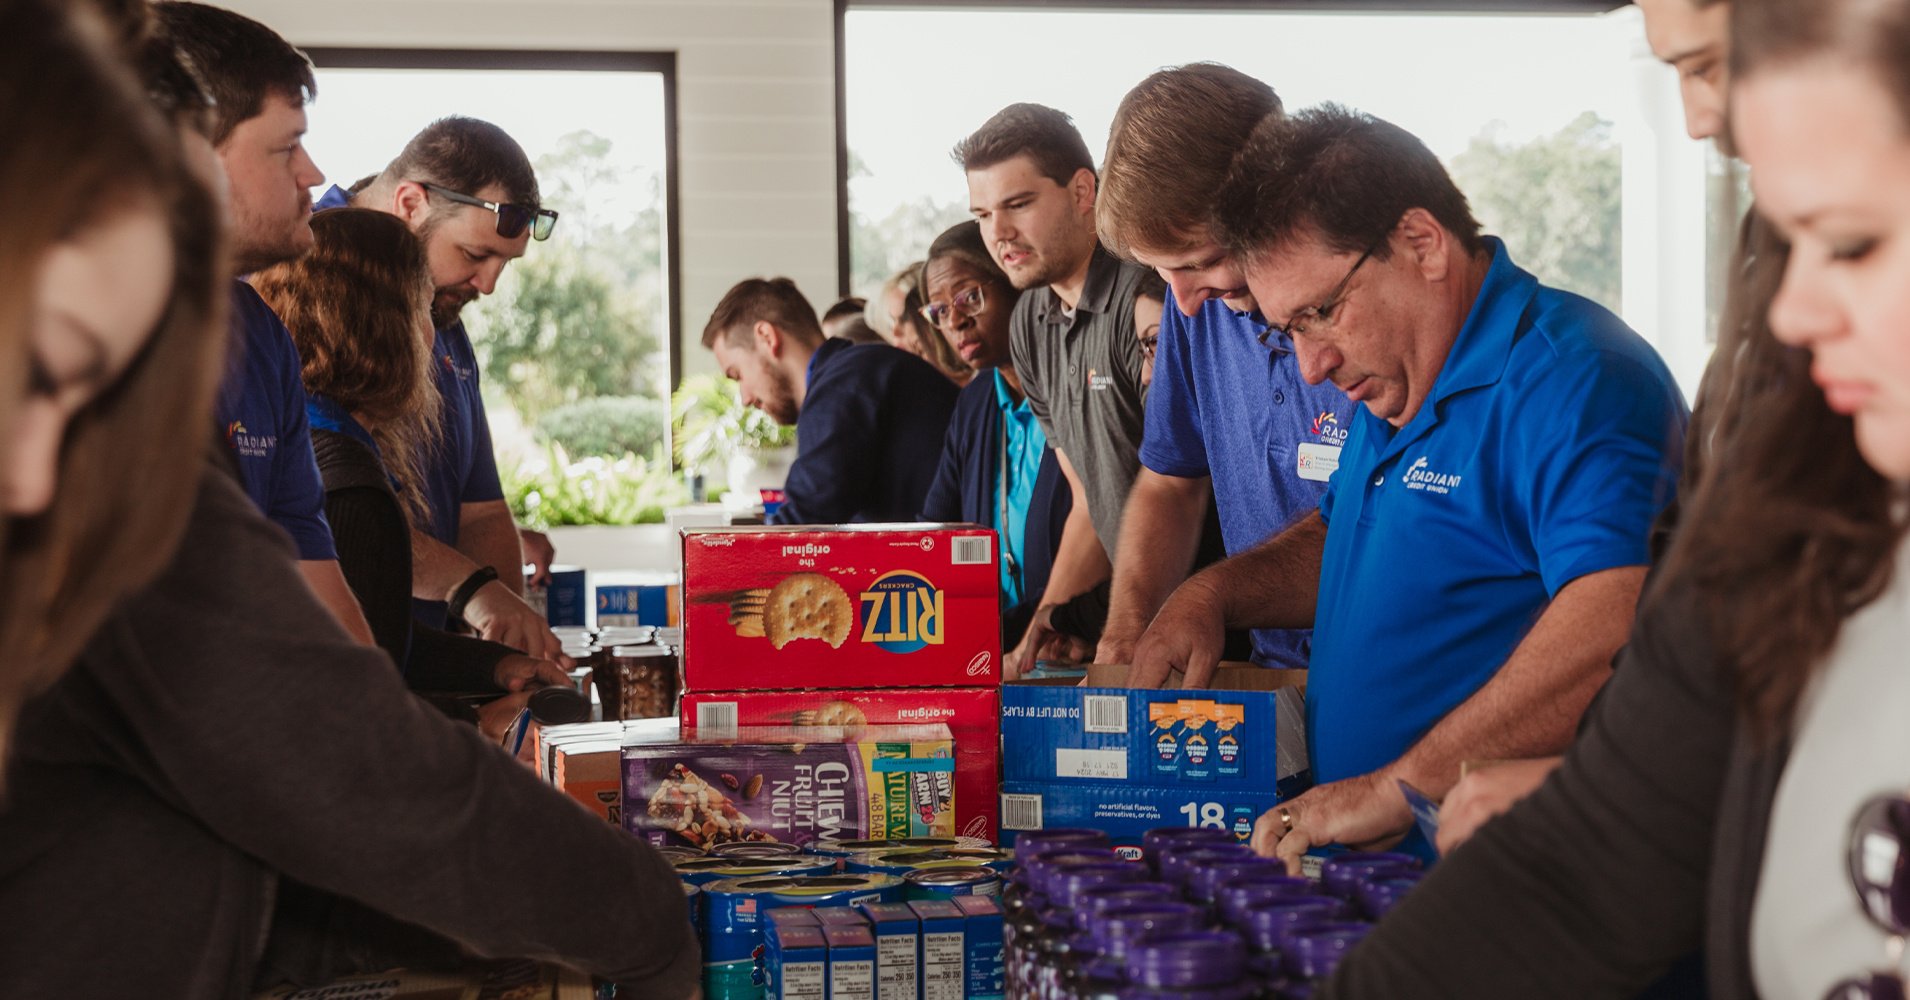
{"x": 1420, "y": 476}
{"x": 1327, "y": 427}
{"x": 1098, "y": 382}
{"x": 247, "y": 444}
{"x": 451, "y": 365}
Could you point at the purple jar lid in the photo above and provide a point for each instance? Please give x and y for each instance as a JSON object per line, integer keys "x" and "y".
{"x": 1031, "y": 842}
{"x": 1377, "y": 898}
{"x": 1092, "y": 900}
{"x": 1342, "y": 873}
{"x": 1267, "y": 926}
{"x": 1314, "y": 952}
{"x": 1035, "y": 871}
{"x": 1177, "y": 862}
{"x": 1205, "y": 879}
{"x": 1236, "y": 896}
{"x": 1237, "y": 991}
{"x": 1153, "y": 842}
{"x": 1205, "y": 958}
{"x": 1059, "y": 884}
{"x": 1115, "y": 929}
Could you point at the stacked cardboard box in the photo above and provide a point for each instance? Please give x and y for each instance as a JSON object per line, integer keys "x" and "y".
{"x": 1126, "y": 761}
{"x": 854, "y": 626}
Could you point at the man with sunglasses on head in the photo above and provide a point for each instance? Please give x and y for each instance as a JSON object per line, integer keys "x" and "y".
{"x": 1478, "y": 555}
{"x": 467, "y": 189}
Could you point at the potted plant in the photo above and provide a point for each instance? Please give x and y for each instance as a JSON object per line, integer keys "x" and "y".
{"x": 714, "y": 430}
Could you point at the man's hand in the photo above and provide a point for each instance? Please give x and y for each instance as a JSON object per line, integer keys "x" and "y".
{"x": 1486, "y": 792}
{"x": 501, "y": 616}
{"x": 495, "y": 718}
{"x": 528, "y": 673}
{"x": 538, "y": 552}
{"x": 1366, "y": 813}
{"x": 1187, "y": 635}
{"x": 1116, "y": 649}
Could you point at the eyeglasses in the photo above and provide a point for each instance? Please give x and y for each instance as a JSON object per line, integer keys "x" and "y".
{"x": 1879, "y": 868}
{"x": 512, "y": 220}
{"x": 1150, "y": 338}
{"x": 968, "y": 302}
{"x": 1296, "y": 324}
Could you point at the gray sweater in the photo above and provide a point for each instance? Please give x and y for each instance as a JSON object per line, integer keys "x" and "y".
{"x": 220, "y": 732}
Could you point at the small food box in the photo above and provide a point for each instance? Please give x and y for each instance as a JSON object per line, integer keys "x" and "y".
{"x": 885, "y": 605}
{"x": 791, "y": 785}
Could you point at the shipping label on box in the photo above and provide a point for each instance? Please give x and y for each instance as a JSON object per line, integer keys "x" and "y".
{"x": 856, "y": 606}
{"x": 790, "y": 785}
{"x": 1126, "y": 812}
{"x": 1249, "y": 732}
{"x": 972, "y": 715}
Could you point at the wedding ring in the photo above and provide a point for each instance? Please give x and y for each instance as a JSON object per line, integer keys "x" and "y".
{"x": 1286, "y": 819}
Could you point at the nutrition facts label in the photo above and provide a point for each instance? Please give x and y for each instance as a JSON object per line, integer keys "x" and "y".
{"x": 852, "y": 980}
{"x": 804, "y": 981}
{"x": 895, "y": 966}
{"x": 942, "y": 961}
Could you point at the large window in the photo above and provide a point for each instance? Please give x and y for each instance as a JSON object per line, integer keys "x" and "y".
{"x": 575, "y": 344}
{"x": 1560, "y": 128}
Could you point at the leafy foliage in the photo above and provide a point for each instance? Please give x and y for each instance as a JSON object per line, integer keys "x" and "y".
{"x": 553, "y": 490}
{"x": 607, "y": 425}
{"x": 712, "y": 423}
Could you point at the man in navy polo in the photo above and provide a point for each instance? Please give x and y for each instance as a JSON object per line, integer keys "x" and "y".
{"x": 260, "y": 84}
{"x": 1478, "y": 555}
{"x": 468, "y": 191}
{"x": 869, "y": 418}
{"x": 1228, "y": 414}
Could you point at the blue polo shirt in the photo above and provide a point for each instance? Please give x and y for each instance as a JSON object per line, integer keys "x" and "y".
{"x": 261, "y": 415}
{"x": 1026, "y": 442}
{"x": 1549, "y": 442}
{"x": 1224, "y": 406}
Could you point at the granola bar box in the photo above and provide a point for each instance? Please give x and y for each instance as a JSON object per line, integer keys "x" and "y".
{"x": 880, "y": 605}
{"x": 972, "y": 714}
{"x": 789, "y": 784}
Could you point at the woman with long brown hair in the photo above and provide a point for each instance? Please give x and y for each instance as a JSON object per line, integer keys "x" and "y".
{"x": 109, "y": 343}
{"x": 1739, "y": 786}
{"x": 359, "y": 308}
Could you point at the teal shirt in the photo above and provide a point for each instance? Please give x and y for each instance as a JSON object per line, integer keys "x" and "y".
{"x": 1023, "y": 443}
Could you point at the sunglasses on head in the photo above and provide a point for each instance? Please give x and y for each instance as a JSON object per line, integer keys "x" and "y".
{"x": 512, "y": 220}
{"x": 1879, "y": 868}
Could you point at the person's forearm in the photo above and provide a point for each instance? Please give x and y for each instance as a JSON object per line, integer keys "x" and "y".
{"x": 1160, "y": 532}
{"x": 437, "y": 568}
{"x": 1080, "y": 562}
{"x": 326, "y": 581}
{"x": 1532, "y": 706}
{"x": 488, "y": 537}
{"x": 1275, "y": 584}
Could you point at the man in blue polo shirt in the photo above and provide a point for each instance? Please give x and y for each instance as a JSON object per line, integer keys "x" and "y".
{"x": 260, "y": 84}
{"x": 1228, "y": 415}
{"x": 1478, "y": 555}
{"x": 869, "y": 418}
{"x": 467, "y": 190}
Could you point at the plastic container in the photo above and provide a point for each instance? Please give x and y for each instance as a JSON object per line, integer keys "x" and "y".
{"x": 1205, "y": 880}
{"x": 1267, "y": 927}
{"x": 1092, "y": 901}
{"x": 1098, "y": 967}
{"x": 1178, "y": 863}
{"x": 1032, "y": 842}
{"x": 1203, "y": 959}
{"x": 1312, "y": 953}
{"x": 1153, "y": 842}
{"x": 1234, "y": 897}
{"x": 1377, "y": 898}
{"x": 637, "y": 682}
{"x": 1342, "y": 873}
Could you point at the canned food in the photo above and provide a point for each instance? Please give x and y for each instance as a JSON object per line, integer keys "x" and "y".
{"x": 637, "y": 682}
{"x": 703, "y": 871}
{"x": 844, "y": 848}
{"x": 901, "y": 862}
{"x": 674, "y": 853}
{"x": 942, "y": 883}
{"x": 694, "y": 896}
{"x": 735, "y": 914}
{"x": 755, "y": 849}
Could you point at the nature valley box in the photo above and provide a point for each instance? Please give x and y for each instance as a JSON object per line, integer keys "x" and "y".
{"x": 790, "y": 785}
{"x": 880, "y": 606}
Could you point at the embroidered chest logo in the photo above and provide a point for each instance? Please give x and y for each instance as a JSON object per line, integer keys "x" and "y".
{"x": 1327, "y": 428}
{"x": 1420, "y": 476}
{"x": 463, "y": 372}
{"x": 247, "y": 444}
{"x": 1098, "y": 382}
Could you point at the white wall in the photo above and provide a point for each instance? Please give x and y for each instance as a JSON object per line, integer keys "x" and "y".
{"x": 755, "y": 101}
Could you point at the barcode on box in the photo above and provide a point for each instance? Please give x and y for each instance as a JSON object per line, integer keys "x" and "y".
{"x": 1104, "y": 713}
{"x": 1020, "y": 812}
{"x": 716, "y": 719}
{"x": 972, "y": 550}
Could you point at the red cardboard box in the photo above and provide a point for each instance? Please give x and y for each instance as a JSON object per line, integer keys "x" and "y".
{"x": 879, "y": 606}
{"x": 973, "y": 717}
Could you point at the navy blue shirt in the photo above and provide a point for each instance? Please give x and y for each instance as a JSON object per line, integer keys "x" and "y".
{"x": 1549, "y": 442}
{"x": 1224, "y": 406}
{"x": 261, "y": 414}
{"x": 965, "y": 490}
{"x": 868, "y": 438}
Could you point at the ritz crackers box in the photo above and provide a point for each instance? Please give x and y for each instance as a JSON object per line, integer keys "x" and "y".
{"x": 858, "y": 606}
{"x": 973, "y": 717}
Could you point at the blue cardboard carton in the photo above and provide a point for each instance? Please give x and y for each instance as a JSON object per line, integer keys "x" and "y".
{"x": 1128, "y": 811}
{"x": 898, "y": 950}
{"x": 1247, "y": 732}
{"x": 795, "y": 962}
{"x": 987, "y": 971}
{"x": 944, "y": 949}
{"x": 851, "y": 960}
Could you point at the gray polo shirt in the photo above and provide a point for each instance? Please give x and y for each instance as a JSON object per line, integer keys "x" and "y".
{"x": 1083, "y": 380}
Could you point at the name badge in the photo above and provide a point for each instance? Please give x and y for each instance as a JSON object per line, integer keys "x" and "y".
{"x": 1317, "y": 461}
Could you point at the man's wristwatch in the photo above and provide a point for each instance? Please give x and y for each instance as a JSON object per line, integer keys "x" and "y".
{"x": 462, "y": 596}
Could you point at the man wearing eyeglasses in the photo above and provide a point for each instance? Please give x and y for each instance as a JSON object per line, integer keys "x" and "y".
{"x": 1477, "y": 557}
{"x": 467, "y": 190}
